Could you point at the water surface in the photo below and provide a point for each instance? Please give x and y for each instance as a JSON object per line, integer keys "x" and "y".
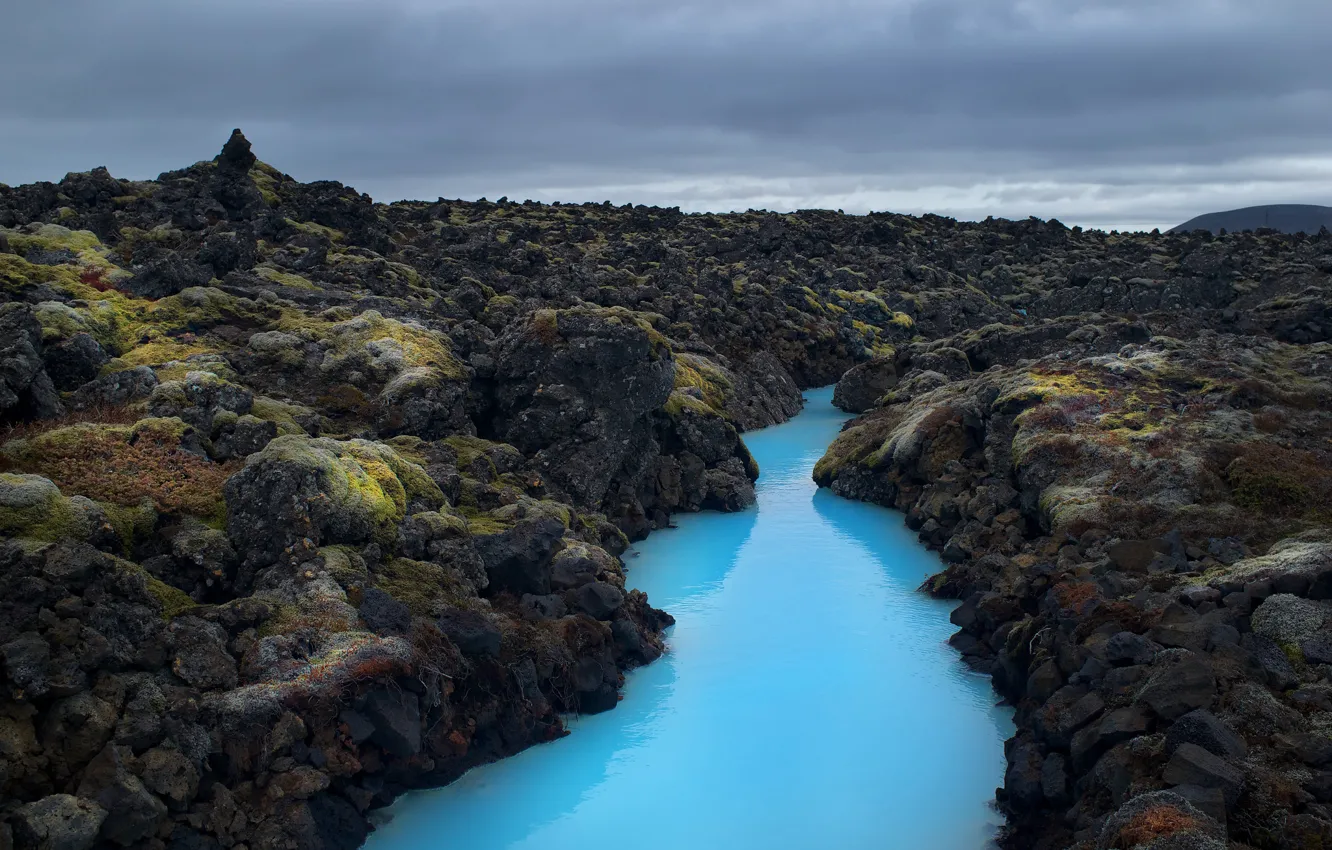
{"x": 807, "y": 701}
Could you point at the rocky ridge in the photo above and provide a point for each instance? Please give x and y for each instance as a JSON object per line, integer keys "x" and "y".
{"x": 307, "y": 500}
{"x": 1134, "y": 512}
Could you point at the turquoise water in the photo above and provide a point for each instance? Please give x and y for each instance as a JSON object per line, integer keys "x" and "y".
{"x": 807, "y": 702}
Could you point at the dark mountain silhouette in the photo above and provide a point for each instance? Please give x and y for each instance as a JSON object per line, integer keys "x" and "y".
{"x": 1287, "y": 218}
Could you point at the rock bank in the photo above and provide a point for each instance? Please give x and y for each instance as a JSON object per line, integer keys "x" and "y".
{"x": 1133, "y": 512}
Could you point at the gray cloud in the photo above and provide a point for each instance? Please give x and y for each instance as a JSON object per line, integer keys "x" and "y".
{"x": 1100, "y": 112}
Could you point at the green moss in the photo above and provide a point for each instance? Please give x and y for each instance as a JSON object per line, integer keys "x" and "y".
{"x": 363, "y": 476}
{"x": 266, "y": 179}
{"x": 699, "y": 373}
{"x": 420, "y": 347}
{"x": 174, "y": 602}
{"x": 1295, "y": 655}
{"x": 345, "y": 565}
{"x": 53, "y": 237}
{"x": 545, "y": 326}
{"x": 1261, "y": 485}
{"x": 312, "y": 229}
{"x": 679, "y": 402}
{"x": 866, "y": 444}
{"x": 525, "y": 507}
{"x": 481, "y": 523}
{"x": 132, "y": 523}
{"x": 272, "y": 274}
{"x": 33, "y": 507}
{"x": 470, "y": 448}
{"x": 423, "y": 586}
{"x": 282, "y": 413}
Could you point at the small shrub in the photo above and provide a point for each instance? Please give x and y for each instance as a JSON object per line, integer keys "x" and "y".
{"x": 95, "y": 276}
{"x": 1156, "y": 822}
{"x": 1074, "y": 596}
{"x": 123, "y": 466}
{"x": 1275, "y": 480}
{"x": 100, "y": 415}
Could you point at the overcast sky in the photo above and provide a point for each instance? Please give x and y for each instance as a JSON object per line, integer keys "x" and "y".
{"x": 1107, "y": 113}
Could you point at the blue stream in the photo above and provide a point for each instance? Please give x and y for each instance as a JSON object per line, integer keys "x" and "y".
{"x": 808, "y": 700}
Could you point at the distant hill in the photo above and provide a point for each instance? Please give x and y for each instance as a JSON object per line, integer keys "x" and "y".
{"x": 1288, "y": 218}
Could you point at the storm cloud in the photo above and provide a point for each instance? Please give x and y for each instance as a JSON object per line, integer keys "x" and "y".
{"x": 1110, "y": 113}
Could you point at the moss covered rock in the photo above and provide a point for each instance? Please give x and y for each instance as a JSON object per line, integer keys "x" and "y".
{"x": 322, "y": 490}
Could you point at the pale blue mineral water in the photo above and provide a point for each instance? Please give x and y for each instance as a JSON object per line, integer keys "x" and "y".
{"x": 808, "y": 700}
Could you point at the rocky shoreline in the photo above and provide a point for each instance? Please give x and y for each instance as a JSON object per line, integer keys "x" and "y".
{"x": 306, "y": 501}
{"x": 1135, "y": 517}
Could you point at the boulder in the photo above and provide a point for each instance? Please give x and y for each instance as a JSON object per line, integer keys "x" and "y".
{"x": 1204, "y": 729}
{"x": 548, "y": 607}
{"x": 140, "y": 725}
{"x": 1318, "y": 648}
{"x": 575, "y": 388}
{"x": 58, "y": 822}
{"x": 864, "y": 384}
{"x": 133, "y": 813}
{"x": 396, "y": 716}
{"x": 1054, "y": 779}
{"x": 1177, "y": 687}
{"x": 518, "y": 559}
{"x": 599, "y": 600}
{"x": 198, "y": 398}
{"x": 1284, "y": 618}
{"x": 76, "y": 728}
{"x": 73, "y": 362}
{"x": 727, "y": 487}
{"x": 1125, "y": 648}
{"x": 1115, "y": 727}
{"x": 1023, "y": 778}
{"x": 473, "y": 632}
{"x": 200, "y": 654}
{"x": 242, "y": 438}
{"x": 304, "y": 491}
{"x": 1193, "y": 765}
{"x": 1134, "y": 556}
{"x": 171, "y": 775}
{"x": 1270, "y": 661}
{"x": 169, "y": 274}
{"x": 383, "y": 614}
{"x": 116, "y": 389}
{"x": 26, "y": 390}
{"x": 579, "y": 563}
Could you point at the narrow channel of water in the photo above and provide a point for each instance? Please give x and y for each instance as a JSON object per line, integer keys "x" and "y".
{"x": 808, "y": 700}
